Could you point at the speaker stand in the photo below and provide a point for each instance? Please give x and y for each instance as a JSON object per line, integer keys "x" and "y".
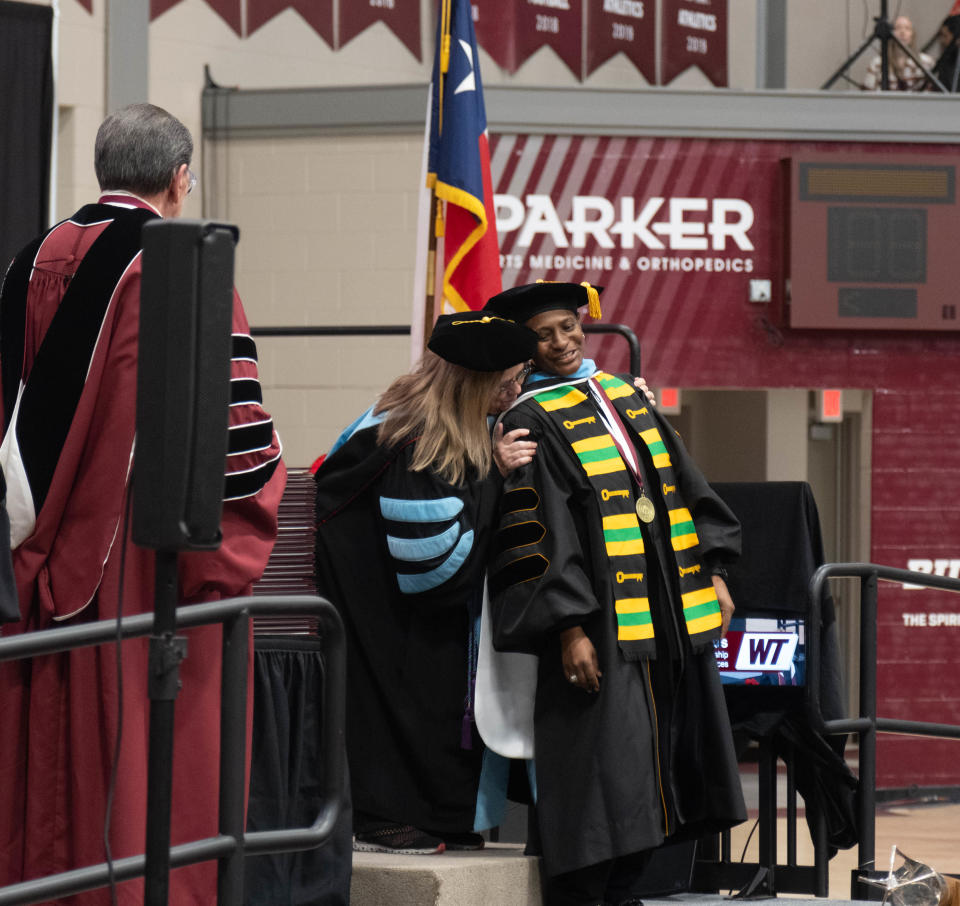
{"x": 166, "y": 653}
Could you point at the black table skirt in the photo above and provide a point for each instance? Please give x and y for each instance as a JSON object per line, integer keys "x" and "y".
{"x": 285, "y": 779}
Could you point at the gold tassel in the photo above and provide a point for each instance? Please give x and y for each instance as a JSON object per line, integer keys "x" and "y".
{"x": 593, "y": 302}
{"x": 444, "y": 66}
{"x": 439, "y": 229}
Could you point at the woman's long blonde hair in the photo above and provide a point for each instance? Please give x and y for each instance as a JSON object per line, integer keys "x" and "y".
{"x": 445, "y": 407}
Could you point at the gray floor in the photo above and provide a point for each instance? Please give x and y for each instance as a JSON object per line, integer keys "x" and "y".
{"x": 702, "y": 899}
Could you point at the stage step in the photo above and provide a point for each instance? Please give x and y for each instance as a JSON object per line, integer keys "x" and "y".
{"x": 498, "y": 874}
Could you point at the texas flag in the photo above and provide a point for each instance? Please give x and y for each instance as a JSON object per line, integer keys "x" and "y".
{"x": 458, "y": 167}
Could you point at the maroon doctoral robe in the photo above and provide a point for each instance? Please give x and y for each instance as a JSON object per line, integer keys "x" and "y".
{"x": 60, "y": 715}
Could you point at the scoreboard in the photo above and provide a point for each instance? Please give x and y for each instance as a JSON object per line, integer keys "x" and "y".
{"x": 872, "y": 242}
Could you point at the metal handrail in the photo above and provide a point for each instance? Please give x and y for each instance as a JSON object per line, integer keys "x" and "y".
{"x": 867, "y": 725}
{"x": 366, "y": 330}
{"x": 227, "y": 847}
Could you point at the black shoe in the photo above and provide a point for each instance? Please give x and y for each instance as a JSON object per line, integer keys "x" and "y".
{"x": 463, "y": 841}
{"x": 402, "y": 839}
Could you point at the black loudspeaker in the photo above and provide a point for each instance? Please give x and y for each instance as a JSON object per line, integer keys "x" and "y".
{"x": 183, "y": 383}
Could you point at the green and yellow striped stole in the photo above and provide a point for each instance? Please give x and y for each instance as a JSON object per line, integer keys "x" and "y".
{"x": 571, "y": 409}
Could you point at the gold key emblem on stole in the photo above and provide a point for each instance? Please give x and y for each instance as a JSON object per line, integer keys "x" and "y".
{"x": 606, "y": 495}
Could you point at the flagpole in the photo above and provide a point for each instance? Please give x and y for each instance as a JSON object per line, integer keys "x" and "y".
{"x": 457, "y": 262}
{"x": 435, "y": 225}
{"x": 430, "y": 303}
{"x": 424, "y": 275}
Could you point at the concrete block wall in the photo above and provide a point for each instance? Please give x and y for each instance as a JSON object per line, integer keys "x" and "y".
{"x": 328, "y": 237}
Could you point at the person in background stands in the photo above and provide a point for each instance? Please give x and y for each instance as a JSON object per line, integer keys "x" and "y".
{"x": 69, "y": 311}
{"x": 903, "y": 74}
{"x": 947, "y": 67}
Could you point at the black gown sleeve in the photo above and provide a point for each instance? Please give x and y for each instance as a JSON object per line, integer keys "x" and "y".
{"x": 540, "y": 575}
{"x": 428, "y": 539}
{"x": 436, "y": 534}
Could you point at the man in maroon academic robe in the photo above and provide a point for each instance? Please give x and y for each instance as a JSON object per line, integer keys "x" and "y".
{"x": 68, "y": 358}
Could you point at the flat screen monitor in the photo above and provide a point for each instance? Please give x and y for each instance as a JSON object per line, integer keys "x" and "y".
{"x": 763, "y": 651}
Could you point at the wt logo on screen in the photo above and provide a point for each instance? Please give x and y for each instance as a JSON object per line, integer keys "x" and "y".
{"x": 766, "y": 651}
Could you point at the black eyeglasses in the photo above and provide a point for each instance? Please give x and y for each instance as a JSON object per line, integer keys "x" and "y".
{"x": 507, "y": 386}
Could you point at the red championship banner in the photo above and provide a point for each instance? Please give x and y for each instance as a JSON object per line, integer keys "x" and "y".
{"x": 157, "y": 7}
{"x": 494, "y": 22}
{"x": 694, "y": 34}
{"x": 228, "y": 10}
{"x": 623, "y": 26}
{"x": 402, "y": 17}
{"x": 554, "y": 23}
{"x": 318, "y": 14}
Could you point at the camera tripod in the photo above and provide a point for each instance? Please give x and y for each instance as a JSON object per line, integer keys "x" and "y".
{"x": 883, "y": 32}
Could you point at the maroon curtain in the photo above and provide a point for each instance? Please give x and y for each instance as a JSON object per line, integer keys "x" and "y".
{"x": 623, "y": 26}
{"x": 694, "y": 34}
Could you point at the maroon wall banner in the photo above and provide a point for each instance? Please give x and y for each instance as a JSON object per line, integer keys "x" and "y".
{"x": 694, "y": 34}
{"x": 228, "y": 10}
{"x": 554, "y": 23}
{"x": 623, "y": 26}
{"x": 677, "y": 230}
{"x": 494, "y": 22}
{"x": 317, "y": 13}
{"x": 402, "y": 17}
{"x": 159, "y": 7}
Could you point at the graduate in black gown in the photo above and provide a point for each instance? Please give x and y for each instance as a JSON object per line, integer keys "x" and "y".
{"x": 406, "y": 505}
{"x": 608, "y": 565}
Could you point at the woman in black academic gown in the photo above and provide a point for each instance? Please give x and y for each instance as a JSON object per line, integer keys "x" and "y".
{"x": 608, "y": 565}
{"x": 406, "y": 502}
